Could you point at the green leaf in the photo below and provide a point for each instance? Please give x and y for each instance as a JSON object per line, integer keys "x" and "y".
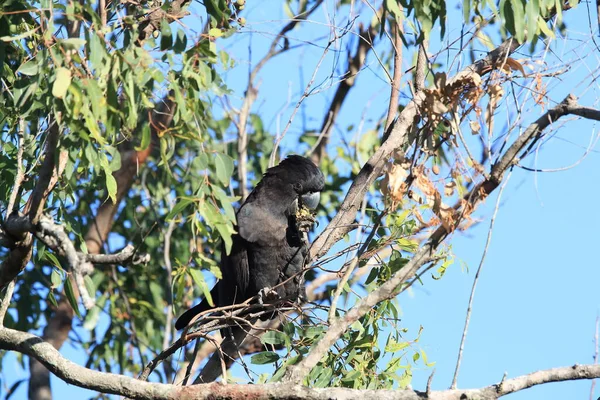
{"x": 543, "y": 25}
{"x": 393, "y": 346}
{"x": 273, "y": 337}
{"x": 199, "y": 281}
{"x": 166, "y": 35}
{"x": 392, "y": 6}
{"x": 157, "y": 296}
{"x": 532, "y": 10}
{"x": 416, "y": 357}
{"x": 180, "y": 42}
{"x": 97, "y": 50}
{"x": 146, "y": 138}
{"x": 289, "y": 329}
{"x": 225, "y": 233}
{"x": 424, "y": 357}
{"x": 324, "y": 378}
{"x": 52, "y": 298}
{"x": 181, "y": 204}
{"x": 93, "y": 316}
{"x": 466, "y": 11}
{"x": 71, "y": 296}
{"x": 89, "y": 285}
{"x": 18, "y": 37}
{"x": 313, "y": 331}
{"x": 111, "y": 186}
{"x": 404, "y": 381}
{"x": 279, "y": 373}
{"x": 30, "y": 68}
{"x": 519, "y": 19}
{"x": 266, "y": 357}
{"x": 73, "y": 42}
{"x": 55, "y": 278}
{"x": 61, "y": 83}
{"x": 224, "y": 166}
{"x": 52, "y": 258}
{"x": 351, "y": 376}
{"x": 288, "y": 10}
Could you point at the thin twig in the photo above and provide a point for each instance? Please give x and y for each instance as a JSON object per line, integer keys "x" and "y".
{"x": 352, "y": 266}
{"x": 20, "y": 171}
{"x": 305, "y": 94}
{"x": 596, "y": 346}
{"x": 5, "y": 300}
{"x": 169, "y": 270}
{"x": 475, "y": 280}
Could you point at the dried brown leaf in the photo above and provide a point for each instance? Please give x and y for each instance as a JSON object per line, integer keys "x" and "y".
{"x": 449, "y": 188}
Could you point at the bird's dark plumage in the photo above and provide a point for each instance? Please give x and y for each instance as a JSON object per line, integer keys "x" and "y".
{"x": 269, "y": 247}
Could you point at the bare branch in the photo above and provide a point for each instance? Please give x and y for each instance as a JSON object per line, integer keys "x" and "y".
{"x": 342, "y": 223}
{"x": 77, "y": 267}
{"x": 426, "y": 253}
{"x": 475, "y": 280}
{"x": 20, "y": 172}
{"x": 422, "y": 66}
{"x": 366, "y": 37}
{"x": 397, "y": 76}
{"x": 5, "y": 300}
{"x": 50, "y": 171}
{"x": 154, "y": 18}
{"x": 119, "y": 258}
{"x": 109, "y": 383}
{"x": 596, "y": 347}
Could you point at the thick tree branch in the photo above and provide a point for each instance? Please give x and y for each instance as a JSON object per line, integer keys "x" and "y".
{"x": 394, "y": 285}
{"x": 154, "y": 18}
{"x": 397, "y": 75}
{"x": 50, "y": 170}
{"x": 342, "y": 223}
{"x": 77, "y": 375}
{"x": 59, "y": 325}
{"x": 77, "y": 266}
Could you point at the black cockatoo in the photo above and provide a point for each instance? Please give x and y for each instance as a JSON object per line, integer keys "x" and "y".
{"x": 270, "y": 246}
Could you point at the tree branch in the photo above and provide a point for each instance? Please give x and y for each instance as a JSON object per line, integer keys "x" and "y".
{"x": 366, "y": 37}
{"x": 154, "y": 18}
{"x": 59, "y": 325}
{"x": 393, "y": 286}
{"x": 109, "y": 383}
{"x": 342, "y": 223}
{"x": 397, "y": 76}
{"x": 49, "y": 173}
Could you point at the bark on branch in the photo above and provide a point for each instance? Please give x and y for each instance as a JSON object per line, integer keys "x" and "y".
{"x": 342, "y": 223}
{"x": 424, "y": 255}
{"x": 103, "y": 382}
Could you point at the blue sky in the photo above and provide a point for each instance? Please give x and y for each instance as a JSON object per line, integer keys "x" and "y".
{"x": 537, "y": 298}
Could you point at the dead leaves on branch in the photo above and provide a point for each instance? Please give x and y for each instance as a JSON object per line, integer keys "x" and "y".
{"x": 444, "y": 107}
{"x": 445, "y": 96}
{"x": 395, "y": 186}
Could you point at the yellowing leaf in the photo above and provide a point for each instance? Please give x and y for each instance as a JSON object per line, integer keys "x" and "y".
{"x": 215, "y": 32}
{"x": 61, "y": 83}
